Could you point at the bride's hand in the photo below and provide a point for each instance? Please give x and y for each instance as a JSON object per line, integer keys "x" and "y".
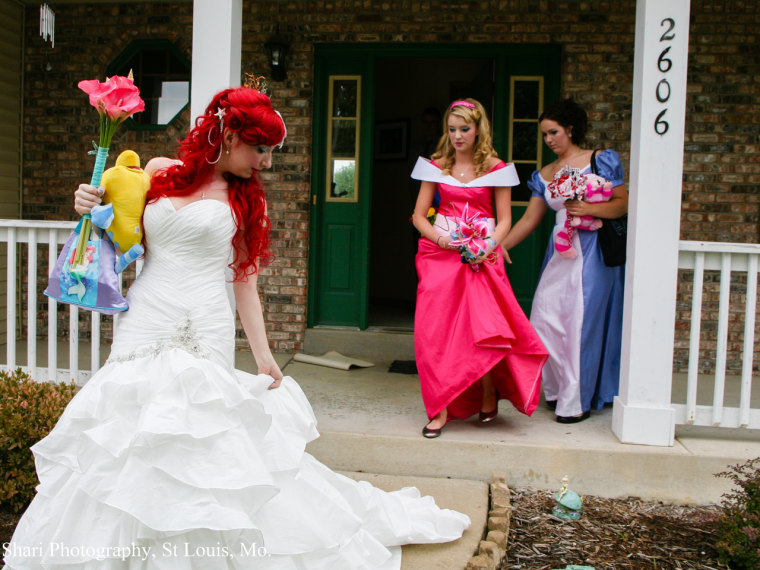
{"x": 270, "y": 367}
{"x": 86, "y": 197}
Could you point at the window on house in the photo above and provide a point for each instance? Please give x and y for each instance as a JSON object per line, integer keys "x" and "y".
{"x": 162, "y": 73}
{"x": 343, "y": 137}
{"x": 527, "y": 96}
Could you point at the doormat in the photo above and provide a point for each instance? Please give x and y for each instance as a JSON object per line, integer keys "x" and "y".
{"x": 332, "y": 359}
{"x": 403, "y": 367}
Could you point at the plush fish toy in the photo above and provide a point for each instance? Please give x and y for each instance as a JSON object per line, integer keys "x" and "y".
{"x": 120, "y": 215}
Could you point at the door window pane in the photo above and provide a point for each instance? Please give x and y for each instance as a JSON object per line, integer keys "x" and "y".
{"x": 525, "y": 150}
{"x": 345, "y": 93}
{"x": 344, "y": 179}
{"x": 343, "y": 134}
{"x": 344, "y": 138}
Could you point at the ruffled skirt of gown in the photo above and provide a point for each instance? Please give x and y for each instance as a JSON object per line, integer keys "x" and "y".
{"x": 171, "y": 461}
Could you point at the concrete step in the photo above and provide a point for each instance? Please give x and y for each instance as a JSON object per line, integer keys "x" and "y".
{"x": 370, "y": 420}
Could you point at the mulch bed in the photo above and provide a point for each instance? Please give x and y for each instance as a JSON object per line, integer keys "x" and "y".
{"x": 612, "y": 534}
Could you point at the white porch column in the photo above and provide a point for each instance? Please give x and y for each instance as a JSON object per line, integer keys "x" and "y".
{"x": 217, "y": 37}
{"x": 217, "y": 48}
{"x": 642, "y": 412}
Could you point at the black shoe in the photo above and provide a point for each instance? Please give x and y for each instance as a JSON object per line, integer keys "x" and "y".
{"x": 431, "y": 433}
{"x": 551, "y": 404}
{"x": 573, "y": 419}
{"x": 485, "y": 417}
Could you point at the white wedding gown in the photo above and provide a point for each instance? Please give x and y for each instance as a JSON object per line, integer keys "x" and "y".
{"x": 168, "y": 458}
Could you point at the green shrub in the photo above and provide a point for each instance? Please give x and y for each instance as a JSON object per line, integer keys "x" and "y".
{"x": 739, "y": 526}
{"x": 28, "y": 411}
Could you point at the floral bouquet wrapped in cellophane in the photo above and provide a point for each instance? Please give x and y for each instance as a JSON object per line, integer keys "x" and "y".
{"x": 472, "y": 235}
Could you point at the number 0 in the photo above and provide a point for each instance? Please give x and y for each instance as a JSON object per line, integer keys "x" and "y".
{"x": 660, "y": 97}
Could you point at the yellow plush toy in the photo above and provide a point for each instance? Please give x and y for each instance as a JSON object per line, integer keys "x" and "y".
{"x": 123, "y": 203}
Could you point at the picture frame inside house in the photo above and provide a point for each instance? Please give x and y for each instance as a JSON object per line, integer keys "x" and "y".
{"x": 392, "y": 140}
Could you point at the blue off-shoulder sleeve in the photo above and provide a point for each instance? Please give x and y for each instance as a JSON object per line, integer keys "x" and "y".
{"x": 609, "y": 167}
{"x": 536, "y": 185}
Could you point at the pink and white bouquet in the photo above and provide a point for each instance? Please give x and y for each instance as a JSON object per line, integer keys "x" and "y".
{"x": 471, "y": 235}
{"x": 570, "y": 184}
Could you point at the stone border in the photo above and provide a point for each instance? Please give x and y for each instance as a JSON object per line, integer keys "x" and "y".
{"x": 493, "y": 548}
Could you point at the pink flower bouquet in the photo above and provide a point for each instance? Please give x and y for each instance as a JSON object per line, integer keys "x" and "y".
{"x": 115, "y": 100}
{"x": 570, "y": 184}
{"x": 472, "y": 236}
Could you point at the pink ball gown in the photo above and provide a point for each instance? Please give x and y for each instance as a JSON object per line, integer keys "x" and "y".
{"x": 469, "y": 322}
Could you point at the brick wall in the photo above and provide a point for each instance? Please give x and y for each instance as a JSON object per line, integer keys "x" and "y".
{"x": 721, "y": 169}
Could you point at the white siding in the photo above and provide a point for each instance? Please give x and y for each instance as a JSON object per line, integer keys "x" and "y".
{"x": 11, "y": 44}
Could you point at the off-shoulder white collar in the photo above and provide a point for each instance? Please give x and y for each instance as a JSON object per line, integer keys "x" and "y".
{"x": 429, "y": 172}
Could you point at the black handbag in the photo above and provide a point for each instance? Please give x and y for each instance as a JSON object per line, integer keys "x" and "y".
{"x": 612, "y": 234}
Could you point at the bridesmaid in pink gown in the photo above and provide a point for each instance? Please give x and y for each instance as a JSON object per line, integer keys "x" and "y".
{"x": 473, "y": 343}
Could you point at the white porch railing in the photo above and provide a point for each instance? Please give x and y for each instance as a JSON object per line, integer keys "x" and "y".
{"x": 729, "y": 259}
{"x": 25, "y": 237}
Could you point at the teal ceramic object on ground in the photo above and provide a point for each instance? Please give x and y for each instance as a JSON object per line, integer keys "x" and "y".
{"x": 569, "y": 504}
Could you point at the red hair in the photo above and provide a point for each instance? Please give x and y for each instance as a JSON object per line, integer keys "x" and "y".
{"x": 249, "y": 114}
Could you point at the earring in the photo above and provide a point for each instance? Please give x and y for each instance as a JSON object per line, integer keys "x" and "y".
{"x": 227, "y": 150}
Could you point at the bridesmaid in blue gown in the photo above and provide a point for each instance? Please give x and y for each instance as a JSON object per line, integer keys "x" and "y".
{"x": 578, "y": 305}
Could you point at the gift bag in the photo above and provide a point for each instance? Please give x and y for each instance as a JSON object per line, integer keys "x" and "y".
{"x": 94, "y": 284}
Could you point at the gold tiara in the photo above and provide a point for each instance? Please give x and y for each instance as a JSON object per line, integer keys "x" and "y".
{"x": 256, "y": 82}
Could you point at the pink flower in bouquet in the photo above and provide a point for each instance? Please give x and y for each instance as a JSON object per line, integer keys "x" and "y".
{"x": 472, "y": 236}
{"x": 117, "y": 95}
{"x": 568, "y": 183}
{"x": 115, "y": 99}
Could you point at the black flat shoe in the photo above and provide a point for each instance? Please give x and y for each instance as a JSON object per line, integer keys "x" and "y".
{"x": 485, "y": 417}
{"x": 573, "y": 419}
{"x": 551, "y": 404}
{"x": 431, "y": 433}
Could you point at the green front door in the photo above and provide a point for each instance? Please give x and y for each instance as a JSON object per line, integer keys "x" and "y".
{"x": 532, "y": 81}
{"x": 340, "y": 190}
{"x": 361, "y": 267}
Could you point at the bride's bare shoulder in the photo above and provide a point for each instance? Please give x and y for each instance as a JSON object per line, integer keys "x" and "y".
{"x": 159, "y": 163}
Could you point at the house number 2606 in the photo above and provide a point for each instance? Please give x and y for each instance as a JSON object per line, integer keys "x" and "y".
{"x": 664, "y": 64}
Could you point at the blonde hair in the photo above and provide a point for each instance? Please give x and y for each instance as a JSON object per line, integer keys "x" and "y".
{"x": 483, "y": 149}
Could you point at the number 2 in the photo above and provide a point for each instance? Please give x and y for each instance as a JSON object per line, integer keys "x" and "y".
{"x": 667, "y": 35}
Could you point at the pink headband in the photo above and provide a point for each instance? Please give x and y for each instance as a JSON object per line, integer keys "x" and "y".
{"x": 462, "y": 104}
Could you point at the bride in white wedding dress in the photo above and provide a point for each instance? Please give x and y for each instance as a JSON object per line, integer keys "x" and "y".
{"x": 169, "y": 458}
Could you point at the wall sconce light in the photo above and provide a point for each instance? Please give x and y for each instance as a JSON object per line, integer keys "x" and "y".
{"x": 278, "y": 49}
